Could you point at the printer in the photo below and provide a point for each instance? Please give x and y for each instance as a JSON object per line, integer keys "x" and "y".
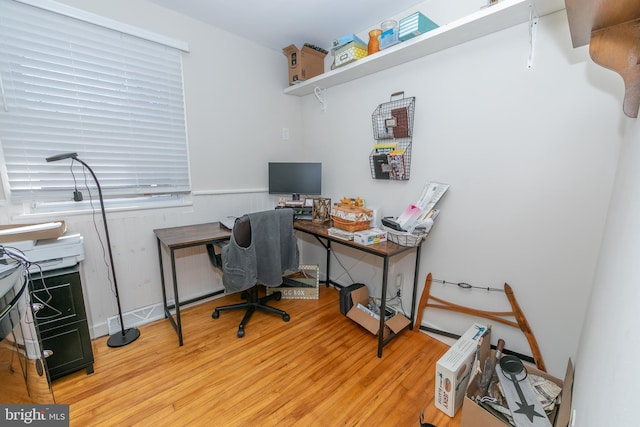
{"x": 52, "y": 254}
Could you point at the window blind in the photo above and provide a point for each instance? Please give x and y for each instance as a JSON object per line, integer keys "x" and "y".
{"x": 72, "y": 86}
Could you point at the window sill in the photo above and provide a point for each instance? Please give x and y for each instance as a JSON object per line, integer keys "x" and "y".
{"x": 49, "y": 210}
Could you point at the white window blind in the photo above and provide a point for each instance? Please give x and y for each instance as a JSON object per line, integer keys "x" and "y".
{"x": 72, "y": 86}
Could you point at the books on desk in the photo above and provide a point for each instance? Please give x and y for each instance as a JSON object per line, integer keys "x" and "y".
{"x": 340, "y": 234}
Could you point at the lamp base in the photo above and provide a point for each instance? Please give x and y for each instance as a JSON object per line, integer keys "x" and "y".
{"x": 120, "y": 340}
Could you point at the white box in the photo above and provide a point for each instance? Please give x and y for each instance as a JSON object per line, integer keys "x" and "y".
{"x": 370, "y": 236}
{"x": 454, "y": 369}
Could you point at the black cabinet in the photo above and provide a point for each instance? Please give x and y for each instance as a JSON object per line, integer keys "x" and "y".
{"x": 61, "y": 320}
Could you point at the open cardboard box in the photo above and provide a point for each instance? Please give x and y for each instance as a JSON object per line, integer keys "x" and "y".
{"x": 361, "y": 295}
{"x": 455, "y": 367}
{"x": 304, "y": 63}
{"x": 473, "y": 415}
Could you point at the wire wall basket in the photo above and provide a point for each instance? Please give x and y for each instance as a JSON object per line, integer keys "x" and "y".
{"x": 392, "y": 124}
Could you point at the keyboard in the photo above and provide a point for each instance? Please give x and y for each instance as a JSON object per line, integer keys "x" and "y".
{"x": 227, "y": 222}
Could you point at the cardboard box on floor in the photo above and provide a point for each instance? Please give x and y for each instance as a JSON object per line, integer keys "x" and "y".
{"x": 304, "y": 63}
{"x": 473, "y": 415}
{"x": 361, "y": 295}
{"x": 455, "y": 367}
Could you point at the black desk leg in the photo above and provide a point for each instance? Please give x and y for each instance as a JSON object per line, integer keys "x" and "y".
{"x": 328, "y": 270}
{"x": 164, "y": 291}
{"x": 383, "y": 304}
{"x": 415, "y": 286}
{"x": 175, "y": 296}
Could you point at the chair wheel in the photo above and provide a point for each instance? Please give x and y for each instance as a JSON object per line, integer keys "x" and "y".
{"x": 215, "y": 314}
{"x": 286, "y": 317}
{"x": 240, "y": 333}
{"x": 278, "y": 296}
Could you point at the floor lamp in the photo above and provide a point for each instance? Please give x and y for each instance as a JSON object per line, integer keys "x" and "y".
{"x": 126, "y": 336}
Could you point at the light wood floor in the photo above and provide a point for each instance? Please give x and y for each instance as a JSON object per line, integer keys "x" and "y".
{"x": 319, "y": 369}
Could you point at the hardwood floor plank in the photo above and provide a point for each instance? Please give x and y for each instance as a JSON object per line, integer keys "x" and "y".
{"x": 319, "y": 369}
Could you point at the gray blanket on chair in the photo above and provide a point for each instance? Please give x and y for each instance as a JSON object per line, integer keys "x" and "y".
{"x": 273, "y": 249}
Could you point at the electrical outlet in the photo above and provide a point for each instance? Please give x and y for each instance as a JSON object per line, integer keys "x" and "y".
{"x": 399, "y": 280}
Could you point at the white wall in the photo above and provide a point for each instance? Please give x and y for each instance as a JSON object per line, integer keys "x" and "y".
{"x": 530, "y": 155}
{"x": 607, "y": 362}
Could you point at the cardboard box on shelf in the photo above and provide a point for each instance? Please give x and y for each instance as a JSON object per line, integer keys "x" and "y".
{"x": 394, "y": 324}
{"x": 304, "y": 63}
{"x": 454, "y": 369}
{"x": 473, "y": 415}
{"x": 370, "y": 236}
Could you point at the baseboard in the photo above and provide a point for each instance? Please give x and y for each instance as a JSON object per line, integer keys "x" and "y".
{"x": 135, "y": 318}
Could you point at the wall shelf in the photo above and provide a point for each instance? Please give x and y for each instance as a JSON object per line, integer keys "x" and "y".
{"x": 500, "y": 16}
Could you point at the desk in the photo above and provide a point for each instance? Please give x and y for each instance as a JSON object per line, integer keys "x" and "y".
{"x": 179, "y": 238}
{"x": 385, "y": 250}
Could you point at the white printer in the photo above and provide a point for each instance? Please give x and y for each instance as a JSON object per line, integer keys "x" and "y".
{"x": 52, "y": 254}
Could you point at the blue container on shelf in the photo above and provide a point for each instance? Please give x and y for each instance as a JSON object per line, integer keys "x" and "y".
{"x": 414, "y": 25}
{"x": 341, "y": 41}
{"x": 389, "y": 35}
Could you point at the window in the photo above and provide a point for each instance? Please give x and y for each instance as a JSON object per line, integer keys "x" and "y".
{"x": 69, "y": 85}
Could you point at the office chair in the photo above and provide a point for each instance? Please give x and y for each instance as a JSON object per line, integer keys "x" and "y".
{"x": 262, "y": 246}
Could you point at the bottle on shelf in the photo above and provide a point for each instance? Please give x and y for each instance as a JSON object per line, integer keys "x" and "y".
{"x": 374, "y": 41}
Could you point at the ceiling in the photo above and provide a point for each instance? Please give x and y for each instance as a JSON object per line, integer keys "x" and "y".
{"x": 279, "y": 23}
{"x": 276, "y": 24}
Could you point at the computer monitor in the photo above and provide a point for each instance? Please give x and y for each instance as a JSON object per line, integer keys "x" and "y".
{"x": 295, "y": 178}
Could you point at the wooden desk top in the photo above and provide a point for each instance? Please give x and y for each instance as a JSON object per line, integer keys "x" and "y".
{"x": 322, "y": 230}
{"x": 192, "y": 234}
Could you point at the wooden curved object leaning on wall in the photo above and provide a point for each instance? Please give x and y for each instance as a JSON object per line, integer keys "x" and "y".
{"x": 519, "y": 320}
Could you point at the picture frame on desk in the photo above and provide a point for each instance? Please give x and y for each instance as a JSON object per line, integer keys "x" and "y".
{"x": 308, "y": 203}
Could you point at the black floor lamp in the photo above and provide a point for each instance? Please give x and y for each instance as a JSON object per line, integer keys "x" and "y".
{"x": 126, "y": 336}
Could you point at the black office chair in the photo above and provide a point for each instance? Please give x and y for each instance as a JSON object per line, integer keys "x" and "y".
{"x": 266, "y": 241}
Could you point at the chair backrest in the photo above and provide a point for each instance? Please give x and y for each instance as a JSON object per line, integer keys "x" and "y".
{"x": 263, "y": 246}
{"x": 242, "y": 231}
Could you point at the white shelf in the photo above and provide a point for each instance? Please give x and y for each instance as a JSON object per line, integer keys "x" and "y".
{"x": 500, "y": 16}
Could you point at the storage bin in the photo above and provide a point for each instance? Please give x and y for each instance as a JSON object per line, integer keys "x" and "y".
{"x": 414, "y": 25}
{"x": 351, "y": 218}
{"x": 348, "y": 53}
{"x": 403, "y": 238}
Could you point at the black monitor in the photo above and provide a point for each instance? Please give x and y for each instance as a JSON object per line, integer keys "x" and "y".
{"x": 295, "y": 178}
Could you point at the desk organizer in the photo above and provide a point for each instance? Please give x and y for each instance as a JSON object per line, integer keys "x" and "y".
{"x": 392, "y": 129}
{"x": 403, "y": 238}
